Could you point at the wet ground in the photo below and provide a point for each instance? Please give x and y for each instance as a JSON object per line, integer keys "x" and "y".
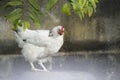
{"x": 70, "y": 67}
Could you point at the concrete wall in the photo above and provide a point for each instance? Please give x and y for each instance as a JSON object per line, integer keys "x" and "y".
{"x": 101, "y": 31}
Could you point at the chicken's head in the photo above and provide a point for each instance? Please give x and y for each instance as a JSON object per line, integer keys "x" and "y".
{"x": 57, "y": 31}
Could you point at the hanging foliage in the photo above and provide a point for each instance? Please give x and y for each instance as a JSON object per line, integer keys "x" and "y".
{"x": 81, "y": 7}
{"x": 32, "y": 10}
{"x": 28, "y": 11}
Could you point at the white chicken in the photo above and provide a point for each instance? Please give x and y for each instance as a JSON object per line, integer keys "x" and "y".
{"x": 38, "y": 45}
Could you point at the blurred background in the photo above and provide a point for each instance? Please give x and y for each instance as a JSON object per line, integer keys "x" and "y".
{"x": 99, "y": 33}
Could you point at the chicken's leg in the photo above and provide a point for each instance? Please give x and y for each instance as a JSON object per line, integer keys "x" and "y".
{"x": 41, "y": 64}
{"x": 33, "y": 67}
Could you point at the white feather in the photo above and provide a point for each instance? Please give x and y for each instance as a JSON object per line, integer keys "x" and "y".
{"x": 38, "y": 43}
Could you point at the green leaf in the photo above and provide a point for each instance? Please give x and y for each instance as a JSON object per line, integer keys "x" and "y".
{"x": 26, "y": 25}
{"x": 80, "y": 15}
{"x": 51, "y": 4}
{"x": 13, "y": 3}
{"x": 66, "y": 8}
{"x": 34, "y": 3}
{"x": 96, "y": 1}
{"x": 34, "y": 14}
{"x": 80, "y": 2}
{"x": 75, "y": 5}
{"x": 92, "y": 2}
{"x": 34, "y": 17}
{"x": 33, "y": 10}
{"x": 17, "y": 23}
{"x": 31, "y": 17}
{"x": 84, "y": 3}
{"x": 90, "y": 11}
{"x": 15, "y": 14}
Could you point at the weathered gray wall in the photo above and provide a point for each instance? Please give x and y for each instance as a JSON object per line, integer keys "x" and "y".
{"x": 101, "y": 31}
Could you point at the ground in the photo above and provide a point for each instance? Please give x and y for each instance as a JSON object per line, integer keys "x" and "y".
{"x": 69, "y": 67}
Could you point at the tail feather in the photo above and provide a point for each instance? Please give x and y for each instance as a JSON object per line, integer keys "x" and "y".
{"x": 15, "y": 30}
